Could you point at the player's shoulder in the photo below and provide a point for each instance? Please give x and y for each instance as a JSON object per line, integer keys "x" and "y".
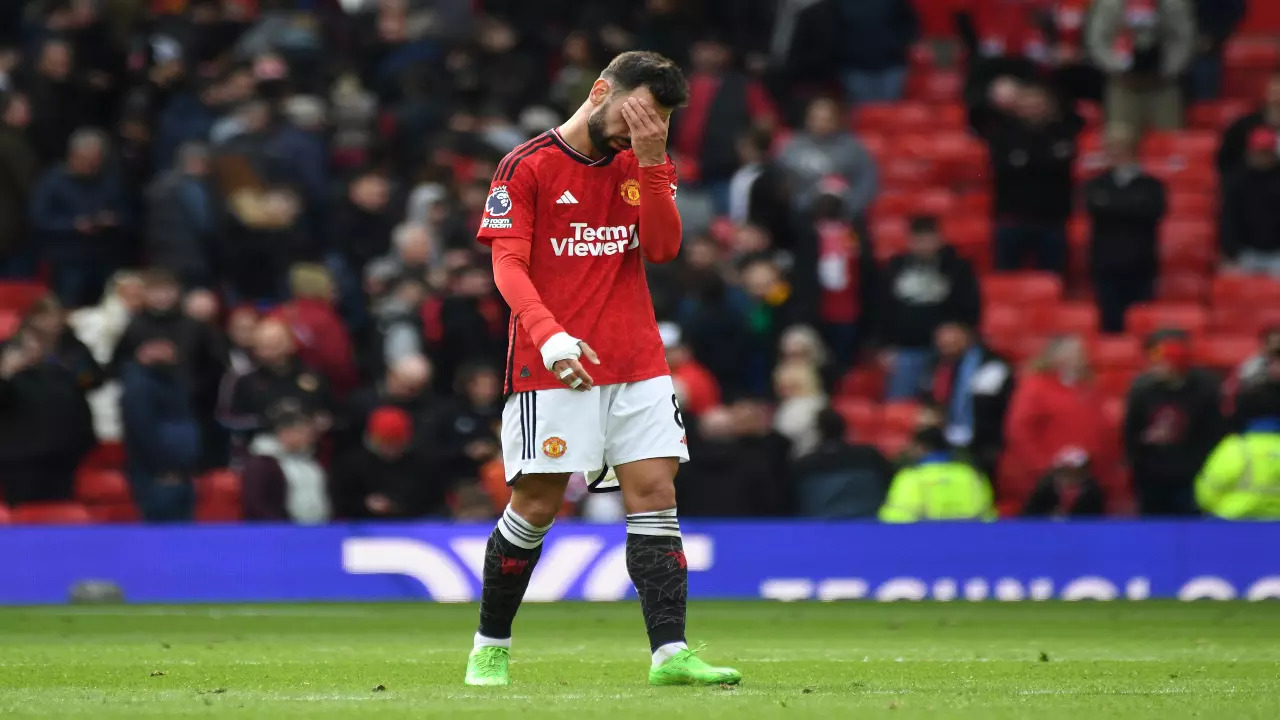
{"x": 526, "y": 157}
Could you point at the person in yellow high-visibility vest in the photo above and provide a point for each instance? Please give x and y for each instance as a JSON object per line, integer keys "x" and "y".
{"x": 937, "y": 487}
{"x": 1241, "y": 478}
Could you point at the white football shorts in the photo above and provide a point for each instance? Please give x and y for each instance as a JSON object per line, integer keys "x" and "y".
{"x": 563, "y": 430}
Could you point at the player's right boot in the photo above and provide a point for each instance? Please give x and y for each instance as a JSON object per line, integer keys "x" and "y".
{"x": 686, "y": 668}
{"x": 488, "y": 666}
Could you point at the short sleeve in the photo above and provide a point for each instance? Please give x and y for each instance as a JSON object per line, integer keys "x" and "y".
{"x": 509, "y": 209}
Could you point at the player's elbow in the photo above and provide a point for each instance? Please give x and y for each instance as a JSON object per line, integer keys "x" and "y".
{"x": 660, "y": 255}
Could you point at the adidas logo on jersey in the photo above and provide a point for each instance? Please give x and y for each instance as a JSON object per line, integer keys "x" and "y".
{"x": 567, "y": 198}
{"x": 605, "y": 240}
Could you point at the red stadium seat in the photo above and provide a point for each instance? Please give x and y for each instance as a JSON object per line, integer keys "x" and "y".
{"x": 1242, "y": 320}
{"x": 1069, "y": 318}
{"x": 1146, "y": 319}
{"x": 1190, "y": 145}
{"x": 1189, "y": 246}
{"x": 104, "y": 487}
{"x": 10, "y": 321}
{"x": 1022, "y": 288}
{"x": 218, "y": 497}
{"x": 18, "y": 296}
{"x": 861, "y": 417}
{"x": 1115, "y": 383}
{"x": 1223, "y": 352}
{"x": 891, "y": 444}
{"x": 934, "y": 86}
{"x": 1248, "y": 292}
{"x": 51, "y": 513}
{"x": 1113, "y": 411}
{"x": 1182, "y": 287}
{"x": 862, "y": 382}
{"x": 115, "y": 513}
{"x": 1186, "y": 205}
{"x": 106, "y": 456}
{"x": 1003, "y": 320}
{"x": 889, "y": 237}
{"x": 1111, "y": 352}
{"x": 4, "y": 514}
{"x": 1217, "y": 115}
{"x": 900, "y": 416}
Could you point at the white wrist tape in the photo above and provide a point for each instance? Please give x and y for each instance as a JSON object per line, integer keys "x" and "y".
{"x": 561, "y": 346}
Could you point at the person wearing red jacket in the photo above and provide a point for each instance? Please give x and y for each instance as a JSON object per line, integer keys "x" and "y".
{"x": 322, "y": 338}
{"x": 1053, "y": 407}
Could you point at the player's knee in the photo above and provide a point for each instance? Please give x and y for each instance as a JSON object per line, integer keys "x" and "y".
{"x": 537, "y": 502}
{"x": 659, "y": 494}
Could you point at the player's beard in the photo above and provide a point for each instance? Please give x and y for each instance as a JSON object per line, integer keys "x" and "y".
{"x": 596, "y": 133}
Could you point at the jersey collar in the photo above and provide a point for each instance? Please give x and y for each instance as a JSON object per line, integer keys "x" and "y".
{"x": 568, "y": 150}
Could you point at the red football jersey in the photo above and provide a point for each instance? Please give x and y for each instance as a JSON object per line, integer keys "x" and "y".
{"x": 581, "y": 218}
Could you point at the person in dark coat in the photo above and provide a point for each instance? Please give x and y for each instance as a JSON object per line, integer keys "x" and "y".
{"x": 743, "y": 467}
{"x": 840, "y": 479}
{"x": 873, "y": 56}
{"x": 1068, "y": 490}
{"x": 388, "y": 475}
{"x": 19, "y": 168}
{"x": 58, "y": 99}
{"x": 1172, "y": 421}
{"x": 1234, "y": 150}
{"x": 279, "y": 376}
{"x": 80, "y": 215}
{"x": 971, "y": 387}
{"x": 922, "y": 289}
{"x": 182, "y": 218}
{"x": 46, "y": 321}
{"x": 406, "y": 385}
{"x": 1125, "y": 207}
{"x": 1216, "y": 20}
{"x": 45, "y": 425}
{"x": 465, "y": 325}
{"x": 462, "y": 437}
{"x": 1032, "y": 143}
{"x": 1250, "y": 222}
{"x": 758, "y": 190}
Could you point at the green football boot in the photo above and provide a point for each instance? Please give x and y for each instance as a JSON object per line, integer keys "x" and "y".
{"x": 488, "y": 666}
{"x": 686, "y": 668}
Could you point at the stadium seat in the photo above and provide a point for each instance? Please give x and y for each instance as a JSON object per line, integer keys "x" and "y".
{"x": 10, "y": 321}
{"x": 1182, "y": 286}
{"x": 900, "y": 416}
{"x": 4, "y": 514}
{"x": 1247, "y": 292}
{"x": 861, "y": 417}
{"x": 51, "y": 513}
{"x": 106, "y": 456}
{"x": 1237, "y": 320}
{"x": 1113, "y": 411}
{"x": 1188, "y": 246}
{"x": 961, "y": 161}
{"x": 1003, "y": 320}
{"x": 218, "y": 497}
{"x": 95, "y": 486}
{"x": 934, "y": 86}
{"x": 1111, "y": 352}
{"x": 892, "y": 444}
{"x": 1114, "y": 383}
{"x": 1223, "y": 352}
{"x": 1068, "y": 318}
{"x": 1217, "y": 115}
{"x": 1022, "y": 288}
{"x": 862, "y": 382}
{"x": 1146, "y": 319}
{"x": 18, "y": 296}
{"x": 1189, "y": 205}
{"x": 125, "y": 512}
{"x": 1189, "y": 145}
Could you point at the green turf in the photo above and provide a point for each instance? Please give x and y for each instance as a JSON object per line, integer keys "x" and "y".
{"x": 578, "y": 661}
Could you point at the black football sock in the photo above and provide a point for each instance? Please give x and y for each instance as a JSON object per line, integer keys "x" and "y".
{"x": 656, "y": 563}
{"x": 509, "y": 559}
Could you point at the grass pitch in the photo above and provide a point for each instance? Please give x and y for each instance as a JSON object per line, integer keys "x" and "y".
{"x": 846, "y": 660}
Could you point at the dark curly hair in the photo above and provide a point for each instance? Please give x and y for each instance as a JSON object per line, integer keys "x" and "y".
{"x": 660, "y": 74}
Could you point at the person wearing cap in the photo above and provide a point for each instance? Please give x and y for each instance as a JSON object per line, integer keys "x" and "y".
{"x": 1235, "y": 140}
{"x": 938, "y": 486}
{"x": 1068, "y": 490}
{"x": 282, "y": 481}
{"x": 1250, "y": 220}
{"x": 1241, "y": 479}
{"x": 1172, "y": 420}
{"x": 388, "y": 475}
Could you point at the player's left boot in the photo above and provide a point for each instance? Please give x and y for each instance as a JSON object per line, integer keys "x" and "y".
{"x": 686, "y": 668}
{"x": 488, "y": 666}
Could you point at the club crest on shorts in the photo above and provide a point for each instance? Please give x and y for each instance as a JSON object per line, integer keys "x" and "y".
{"x": 630, "y": 190}
{"x": 553, "y": 447}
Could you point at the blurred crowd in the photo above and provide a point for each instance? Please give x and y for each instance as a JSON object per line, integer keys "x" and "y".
{"x": 256, "y": 219}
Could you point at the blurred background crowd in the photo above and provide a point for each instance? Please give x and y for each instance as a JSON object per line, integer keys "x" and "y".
{"x": 943, "y": 258}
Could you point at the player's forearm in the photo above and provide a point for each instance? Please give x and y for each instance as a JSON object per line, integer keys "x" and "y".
{"x": 511, "y": 275}
{"x": 660, "y": 226}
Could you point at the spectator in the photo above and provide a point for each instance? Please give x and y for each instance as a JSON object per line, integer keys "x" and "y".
{"x": 1144, "y": 46}
{"x": 389, "y": 475}
{"x": 1054, "y": 406}
{"x": 242, "y": 323}
{"x": 283, "y": 482}
{"x": 577, "y": 75}
{"x": 770, "y": 308}
{"x": 181, "y": 219}
{"x": 873, "y": 57}
{"x": 696, "y": 388}
{"x": 1234, "y": 152}
{"x": 800, "y": 399}
{"x": 1216, "y": 20}
{"x": 802, "y": 344}
{"x": 824, "y": 151}
{"x": 758, "y": 191}
{"x": 264, "y": 237}
{"x": 463, "y": 438}
{"x": 466, "y": 324}
{"x": 398, "y": 327}
{"x": 405, "y": 386}
{"x": 838, "y": 277}
{"x": 1032, "y": 144}
{"x": 279, "y": 376}
{"x": 413, "y": 251}
{"x": 923, "y": 288}
{"x": 45, "y": 427}
{"x": 1250, "y": 223}
{"x": 1125, "y": 207}
{"x": 46, "y": 321}
{"x": 19, "y": 167}
{"x": 1254, "y": 370}
{"x": 971, "y": 385}
{"x": 1241, "y": 479}
{"x": 723, "y": 104}
{"x": 839, "y": 479}
{"x": 321, "y": 337}
{"x": 937, "y": 487}
{"x": 100, "y": 328}
{"x": 1171, "y": 423}
{"x": 365, "y": 220}
{"x": 1069, "y": 490}
{"x": 57, "y": 97}
{"x": 79, "y": 213}
{"x": 742, "y": 468}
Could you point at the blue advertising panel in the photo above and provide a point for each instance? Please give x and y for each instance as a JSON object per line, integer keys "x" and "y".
{"x": 785, "y": 560}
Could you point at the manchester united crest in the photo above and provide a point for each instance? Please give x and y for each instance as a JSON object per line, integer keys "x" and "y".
{"x": 553, "y": 447}
{"x": 631, "y": 191}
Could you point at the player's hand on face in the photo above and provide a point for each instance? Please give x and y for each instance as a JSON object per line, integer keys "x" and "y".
{"x": 648, "y": 131}
{"x": 572, "y": 374}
